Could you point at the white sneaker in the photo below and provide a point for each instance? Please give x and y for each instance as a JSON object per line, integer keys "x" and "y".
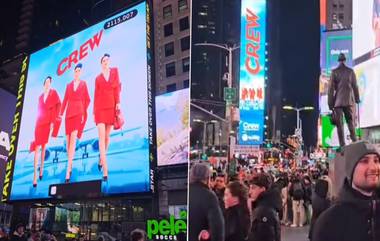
{"x": 293, "y": 225}
{"x": 301, "y": 225}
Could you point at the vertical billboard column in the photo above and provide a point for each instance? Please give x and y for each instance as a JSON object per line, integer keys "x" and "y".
{"x": 252, "y": 72}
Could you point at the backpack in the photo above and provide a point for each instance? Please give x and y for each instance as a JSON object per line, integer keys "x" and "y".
{"x": 298, "y": 191}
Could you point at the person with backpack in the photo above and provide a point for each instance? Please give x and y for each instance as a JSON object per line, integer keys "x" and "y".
{"x": 297, "y": 194}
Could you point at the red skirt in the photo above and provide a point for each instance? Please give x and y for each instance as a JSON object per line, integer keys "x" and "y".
{"x": 73, "y": 124}
{"x": 105, "y": 116}
{"x": 41, "y": 134}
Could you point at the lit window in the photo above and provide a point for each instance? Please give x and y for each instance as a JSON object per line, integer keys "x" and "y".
{"x": 182, "y": 5}
{"x": 167, "y": 11}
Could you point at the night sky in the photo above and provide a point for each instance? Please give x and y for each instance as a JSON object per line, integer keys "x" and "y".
{"x": 299, "y": 60}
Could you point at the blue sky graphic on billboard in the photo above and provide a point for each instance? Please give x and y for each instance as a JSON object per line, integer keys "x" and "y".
{"x": 252, "y": 72}
{"x": 172, "y": 117}
{"x": 7, "y": 110}
{"x": 124, "y": 38}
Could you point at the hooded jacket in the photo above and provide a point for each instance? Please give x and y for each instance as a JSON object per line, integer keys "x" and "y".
{"x": 355, "y": 217}
{"x": 265, "y": 221}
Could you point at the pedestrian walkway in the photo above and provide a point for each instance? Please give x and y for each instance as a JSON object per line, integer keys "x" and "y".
{"x": 295, "y": 234}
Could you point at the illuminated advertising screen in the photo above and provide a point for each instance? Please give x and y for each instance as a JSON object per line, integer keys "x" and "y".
{"x": 252, "y": 72}
{"x": 330, "y": 132}
{"x": 333, "y": 43}
{"x": 172, "y": 118}
{"x": 7, "y": 110}
{"x": 368, "y": 77}
{"x": 87, "y": 111}
{"x": 366, "y": 27}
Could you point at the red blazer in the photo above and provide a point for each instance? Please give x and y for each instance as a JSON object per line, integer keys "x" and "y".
{"x": 107, "y": 93}
{"x": 48, "y": 111}
{"x": 77, "y": 101}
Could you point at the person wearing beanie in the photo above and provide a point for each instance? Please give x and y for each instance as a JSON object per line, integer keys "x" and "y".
{"x": 266, "y": 206}
{"x": 355, "y": 216}
{"x": 205, "y": 215}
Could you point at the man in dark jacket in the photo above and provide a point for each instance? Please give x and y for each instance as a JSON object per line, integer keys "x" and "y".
{"x": 342, "y": 95}
{"x": 18, "y": 234}
{"x": 205, "y": 215}
{"x": 355, "y": 216}
{"x": 266, "y": 206}
{"x": 219, "y": 188}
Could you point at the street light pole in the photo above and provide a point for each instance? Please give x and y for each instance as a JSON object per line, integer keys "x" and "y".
{"x": 229, "y": 83}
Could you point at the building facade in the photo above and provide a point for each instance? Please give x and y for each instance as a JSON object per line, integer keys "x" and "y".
{"x": 172, "y": 44}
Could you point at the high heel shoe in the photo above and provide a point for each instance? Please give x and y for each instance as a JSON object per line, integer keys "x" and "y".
{"x": 34, "y": 184}
{"x": 105, "y": 178}
{"x": 40, "y": 177}
{"x": 99, "y": 164}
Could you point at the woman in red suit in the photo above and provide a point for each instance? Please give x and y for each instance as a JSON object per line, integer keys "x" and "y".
{"x": 77, "y": 101}
{"x": 106, "y": 102}
{"x": 49, "y": 104}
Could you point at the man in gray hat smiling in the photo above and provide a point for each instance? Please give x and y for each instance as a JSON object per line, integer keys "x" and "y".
{"x": 355, "y": 216}
{"x": 342, "y": 95}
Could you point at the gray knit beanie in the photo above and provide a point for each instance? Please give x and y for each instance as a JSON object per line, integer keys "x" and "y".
{"x": 354, "y": 152}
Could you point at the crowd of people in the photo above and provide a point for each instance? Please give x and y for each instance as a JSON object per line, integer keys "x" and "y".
{"x": 255, "y": 203}
{"x": 21, "y": 234}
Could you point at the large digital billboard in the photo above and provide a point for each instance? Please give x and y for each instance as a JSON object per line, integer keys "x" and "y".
{"x": 332, "y": 44}
{"x": 7, "y": 110}
{"x": 368, "y": 77}
{"x": 87, "y": 112}
{"x": 252, "y": 72}
{"x": 366, "y": 27}
{"x": 172, "y": 118}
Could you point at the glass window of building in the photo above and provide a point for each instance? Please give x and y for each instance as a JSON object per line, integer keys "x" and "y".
{"x": 184, "y": 23}
{"x": 182, "y": 5}
{"x": 167, "y": 11}
{"x": 186, "y": 83}
{"x": 185, "y": 43}
{"x": 170, "y": 69}
{"x": 168, "y": 29}
{"x": 185, "y": 64}
{"x": 171, "y": 87}
{"x": 169, "y": 49}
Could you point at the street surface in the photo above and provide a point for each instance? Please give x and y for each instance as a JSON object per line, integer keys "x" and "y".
{"x": 295, "y": 234}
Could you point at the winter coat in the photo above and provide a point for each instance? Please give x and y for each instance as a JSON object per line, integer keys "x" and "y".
{"x": 354, "y": 217}
{"x": 237, "y": 223}
{"x": 265, "y": 221}
{"x": 204, "y": 213}
{"x": 320, "y": 202}
{"x": 220, "y": 195}
{"x": 343, "y": 88}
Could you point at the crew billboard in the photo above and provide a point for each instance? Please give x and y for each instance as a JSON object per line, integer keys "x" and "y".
{"x": 172, "y": 117}
{"x": 7, "y": 110}
{"x": 252, "y": 72}
{"x": 86, "y": 111}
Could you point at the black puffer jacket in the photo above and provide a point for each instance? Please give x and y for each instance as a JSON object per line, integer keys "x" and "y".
{"x": 265, "y": 221}
{"x": 237, "y": 223}
{"x": 355, "y": 217}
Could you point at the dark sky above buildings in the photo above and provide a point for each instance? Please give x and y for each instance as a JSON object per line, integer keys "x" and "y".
{"x": 297, "y": 23}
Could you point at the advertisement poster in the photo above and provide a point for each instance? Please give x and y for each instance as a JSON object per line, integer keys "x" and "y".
{"x": 7, "y": 109}
{"x": 330, "y": 133}
{"x": 172, "y": 117}
{"x": 333, "y": 43}
{"x": 252, "y": 72}
{"x": 368, "y": 77}
{"x": 366, "y": 27}
{"x": 74, "y": 91}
